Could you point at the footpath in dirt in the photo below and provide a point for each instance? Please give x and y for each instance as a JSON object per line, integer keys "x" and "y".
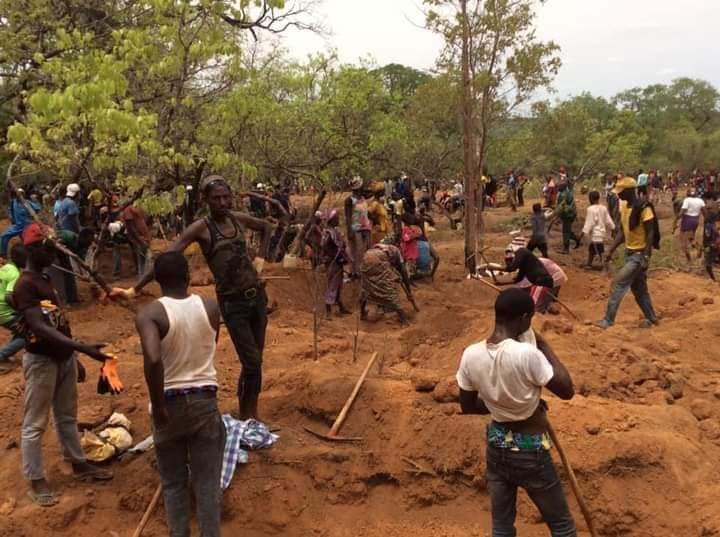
{"x": 643, "y": 432}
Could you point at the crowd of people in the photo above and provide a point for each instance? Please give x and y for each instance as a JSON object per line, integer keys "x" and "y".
{"x": 380, "y": 238}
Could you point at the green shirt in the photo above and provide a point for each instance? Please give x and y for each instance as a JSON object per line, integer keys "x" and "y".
{"x": 9, "y": 274}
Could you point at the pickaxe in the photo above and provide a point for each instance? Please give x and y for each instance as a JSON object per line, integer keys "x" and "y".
{"x": 332, "y": 435}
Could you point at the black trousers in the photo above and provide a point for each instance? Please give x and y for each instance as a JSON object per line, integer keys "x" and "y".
{"x": 246, "y": 321}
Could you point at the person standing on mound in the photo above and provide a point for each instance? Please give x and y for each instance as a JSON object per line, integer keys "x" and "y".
{"x": 242, "y": 298}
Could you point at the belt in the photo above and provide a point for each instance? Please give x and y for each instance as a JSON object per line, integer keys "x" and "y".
{"x": 246, "y": 294}
{"x": 180, "y": 392}
{"x": 250, "y": 292}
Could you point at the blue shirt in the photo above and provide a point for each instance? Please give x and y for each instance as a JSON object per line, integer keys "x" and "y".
{"x": 67, "y": 215}
{"x": 19, "y": 214}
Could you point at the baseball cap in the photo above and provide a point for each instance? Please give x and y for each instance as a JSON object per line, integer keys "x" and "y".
{"x": 72, "y": 190}
{"x": 624, "y": 184}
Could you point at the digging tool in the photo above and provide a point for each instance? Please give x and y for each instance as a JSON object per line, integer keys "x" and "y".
{"x": 411, "y": 298}
{"x": 573, "y": 480}
{"x": 356, "y": 337}
{"x": 332, "y": 435}
{"x": 571, "y": 312}
{"x": 59, "y": 247}
{"x": 149, "y": 511}
{"x": 78, "y": 276}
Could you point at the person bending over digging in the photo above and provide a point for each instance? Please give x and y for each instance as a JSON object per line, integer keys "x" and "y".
{"x": 50, "y": 369}
{"x": 242, "y": 299}
{"x": 178, "y": 334}
{"x": 381, "y": 274}
{"x": 504, "y": 376}
{"x": 531, "y": 268}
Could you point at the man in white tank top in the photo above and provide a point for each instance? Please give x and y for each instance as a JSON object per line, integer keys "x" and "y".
{"x": 178, "y": 334}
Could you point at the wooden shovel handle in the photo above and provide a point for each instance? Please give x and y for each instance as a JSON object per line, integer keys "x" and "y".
{"x": 344, "y": 412}
{"x": 573, "y": 480}
{"x": 149, "y": 511}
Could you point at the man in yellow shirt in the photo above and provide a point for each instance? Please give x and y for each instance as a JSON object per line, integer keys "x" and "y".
{"x": 639, "y": 231}
{"x": 378, "y": 216}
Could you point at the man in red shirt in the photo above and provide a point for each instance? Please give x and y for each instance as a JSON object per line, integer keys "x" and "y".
{"x": 51, "y": 371}
{"x": 138, "y": 235}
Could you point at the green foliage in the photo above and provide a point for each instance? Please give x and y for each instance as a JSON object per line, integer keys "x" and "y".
{"x": 156, "y": 93}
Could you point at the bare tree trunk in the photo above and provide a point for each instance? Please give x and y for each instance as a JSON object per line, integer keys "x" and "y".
{"x": 468, "y": 109}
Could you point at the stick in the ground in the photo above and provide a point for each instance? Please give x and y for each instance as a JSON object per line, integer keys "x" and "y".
{"x": 149, "y": 511}
{"x": 573, "y": 480}
{"x": 357, "y": 333}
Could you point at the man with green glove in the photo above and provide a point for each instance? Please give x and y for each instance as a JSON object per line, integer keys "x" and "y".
{"x": 242, "y": 299}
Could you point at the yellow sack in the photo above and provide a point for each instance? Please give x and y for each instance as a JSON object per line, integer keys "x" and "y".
{"x": 95, "y": 449}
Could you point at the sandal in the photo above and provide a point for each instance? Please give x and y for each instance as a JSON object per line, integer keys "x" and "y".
{"x": 94, "y": 474}
{"x": 43, "y": 499}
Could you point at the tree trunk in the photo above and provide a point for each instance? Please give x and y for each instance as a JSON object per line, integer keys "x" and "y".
{"x": 469, "y": 147}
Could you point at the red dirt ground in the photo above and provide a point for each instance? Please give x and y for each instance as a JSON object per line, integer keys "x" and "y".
{"x": 645, "y": 462}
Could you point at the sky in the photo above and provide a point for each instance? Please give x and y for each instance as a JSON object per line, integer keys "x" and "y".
{"x": 606, "y": 45}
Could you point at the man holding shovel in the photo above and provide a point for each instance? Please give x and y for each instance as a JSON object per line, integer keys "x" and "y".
{"x": 504, "y": 376}
{"x": 242, "y": 298}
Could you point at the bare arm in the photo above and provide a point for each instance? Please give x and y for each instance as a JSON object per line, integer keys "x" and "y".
{"x": 36, "y": 323}
{"x": 678, "y": 217}
{"x": 150, "y": 338}
{"x": 189, "y": 235}
{"x": 258, "y": 224}
{"x": 650, "y": 234}
{"x": 470, "y": 403}
{"x": 561, "y": 383}
{"x": 619, "y": 239}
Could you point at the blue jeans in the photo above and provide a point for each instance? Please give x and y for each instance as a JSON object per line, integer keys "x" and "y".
{"x": 535, "y": 472}
{"x": 632, "y": 276}
{"x": 15, "y": 345}
{"x": 189, "y": 449}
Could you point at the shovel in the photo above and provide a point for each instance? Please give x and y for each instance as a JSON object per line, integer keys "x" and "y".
{"x": 332, "y": 435}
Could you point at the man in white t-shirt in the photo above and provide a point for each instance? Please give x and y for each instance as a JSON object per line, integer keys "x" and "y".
{"x": 689, "y": 217}
{"x": 504, "y": 376}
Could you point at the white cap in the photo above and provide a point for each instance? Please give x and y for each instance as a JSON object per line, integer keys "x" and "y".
{"x": 260, "y": 186}
{"x": 189, "y": 188}
{"x": 72, "y": 190}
